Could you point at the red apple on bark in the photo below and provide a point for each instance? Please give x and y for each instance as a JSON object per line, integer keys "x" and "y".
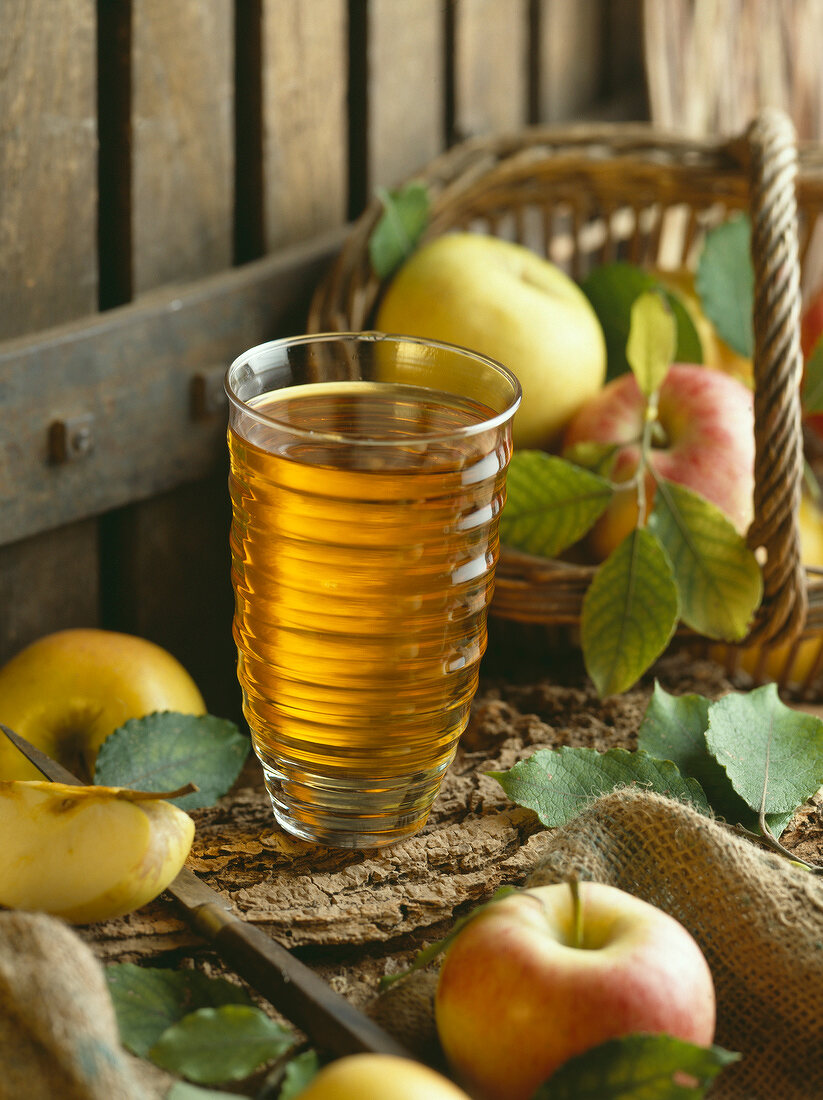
{"x": 533, "y": 980}
{"x": 703, "y": 438}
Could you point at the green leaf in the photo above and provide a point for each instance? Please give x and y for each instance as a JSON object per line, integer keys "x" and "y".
{"x": 652, "y": 339}
{"x": 550, "y": 503}
{"x": 765, "y": 745}
{"x": 630, "y": 612}
{"x": 148, "y": 1000}
{"x": 725, "y": 283}
{"x": 558, "y": 784}
{"x": 399, "y": 228}
{"x": 811, "y": 397}
{"x": 674, "y": 728}
{"x": 637, "y": 1067}
{"x": 611, "y": 289}
{"x": 213, "y": 1045}
{"x": 718, "y": 578}
{"x": 164, "y": 751}
{"x": 298, "y": 1073}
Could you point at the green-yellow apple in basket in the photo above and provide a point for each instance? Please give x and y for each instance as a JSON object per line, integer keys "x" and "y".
{"x": 380, "y": 1077}
{"x": 87, "y": 854}
{"x": 503, "y": 300}
{"x": 532, "y": 981}
{"x": 67, "y": 691}
{"x": 703, "y": 438}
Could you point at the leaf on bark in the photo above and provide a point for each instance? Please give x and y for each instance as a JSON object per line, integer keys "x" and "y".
{"x": 558, "y": 784}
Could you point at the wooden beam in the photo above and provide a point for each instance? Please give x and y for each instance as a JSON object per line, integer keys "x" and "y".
{"x": 128, "y": 404}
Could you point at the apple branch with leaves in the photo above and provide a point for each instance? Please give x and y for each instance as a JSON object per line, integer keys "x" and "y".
{"x": 684, "y": 562}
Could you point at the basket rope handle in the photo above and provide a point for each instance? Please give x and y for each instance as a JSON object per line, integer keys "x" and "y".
{"x": 778, "y": 366}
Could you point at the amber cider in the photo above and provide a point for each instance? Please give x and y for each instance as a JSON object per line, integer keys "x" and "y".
{"x": 363, "y": 542}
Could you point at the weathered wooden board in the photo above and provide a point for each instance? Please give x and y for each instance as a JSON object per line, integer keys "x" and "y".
{"x": 491, "y": 66}
{"x": 171, "y": 583}
{"x": 398, "y": 102}
{"x": 48, "y": 211}
{"x": 47, "y": 163}
{"x": 305, "y": 133}
{"x": 182, "y": 145}
{"x": 712, "y": 66}
{"x": 48, "y": 583}
{"x": 133, "y": 371}
{"x": 571, "y": 60}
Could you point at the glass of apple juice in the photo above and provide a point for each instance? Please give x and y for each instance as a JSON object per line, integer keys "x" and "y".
{"x": 367, "y": 475}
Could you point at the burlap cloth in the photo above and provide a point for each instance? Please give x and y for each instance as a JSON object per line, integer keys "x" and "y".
{"x": 58, "y": 1032}
{"x": 757, "y": 916}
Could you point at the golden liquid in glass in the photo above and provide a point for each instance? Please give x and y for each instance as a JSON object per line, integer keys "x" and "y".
{"x": 362, "y": 570}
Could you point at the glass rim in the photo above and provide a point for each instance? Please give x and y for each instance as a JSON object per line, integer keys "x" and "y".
{"x": 373, "y": 337}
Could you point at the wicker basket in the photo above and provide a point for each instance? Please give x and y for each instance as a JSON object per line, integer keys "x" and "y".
{"x": 585, "y": 195}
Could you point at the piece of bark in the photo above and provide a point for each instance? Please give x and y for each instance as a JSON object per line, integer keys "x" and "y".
{"x": 475, "y": 840}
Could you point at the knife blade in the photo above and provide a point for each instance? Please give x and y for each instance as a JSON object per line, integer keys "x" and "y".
{"x": 293, "y": 988}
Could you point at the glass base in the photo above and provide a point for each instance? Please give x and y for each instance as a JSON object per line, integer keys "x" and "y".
{"x": 339, "y": 813}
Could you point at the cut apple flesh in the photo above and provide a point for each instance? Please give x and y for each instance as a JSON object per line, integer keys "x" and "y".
{"x": 87, "y": 853}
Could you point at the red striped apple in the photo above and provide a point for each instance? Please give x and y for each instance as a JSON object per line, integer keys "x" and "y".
{"x": 703, "y": 438}
{"x": 533, "y": 980}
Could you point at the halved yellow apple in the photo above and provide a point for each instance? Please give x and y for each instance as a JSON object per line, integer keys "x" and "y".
{"x": 87, "y": 854}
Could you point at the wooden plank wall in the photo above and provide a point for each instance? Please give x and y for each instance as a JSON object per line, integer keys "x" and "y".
{"x": 147, "y": 144}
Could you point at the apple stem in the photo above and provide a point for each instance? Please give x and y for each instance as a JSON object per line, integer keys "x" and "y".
{"x": 646, "y": 441}
{"x": 659, "y": 438}
{"x": 577, "y": 912}
{"x": 149, "y": 796}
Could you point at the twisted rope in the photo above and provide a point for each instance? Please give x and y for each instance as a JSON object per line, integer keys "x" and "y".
{"x": 778, "y": 369}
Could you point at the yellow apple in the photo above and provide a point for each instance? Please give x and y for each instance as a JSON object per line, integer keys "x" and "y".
{"x": 380, "y": 1077}
{"x": 66, "y": 692}
{"x": 504, "y": 301}
{"x": 87, "y": 854}
{"x": 716, "y": 352}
